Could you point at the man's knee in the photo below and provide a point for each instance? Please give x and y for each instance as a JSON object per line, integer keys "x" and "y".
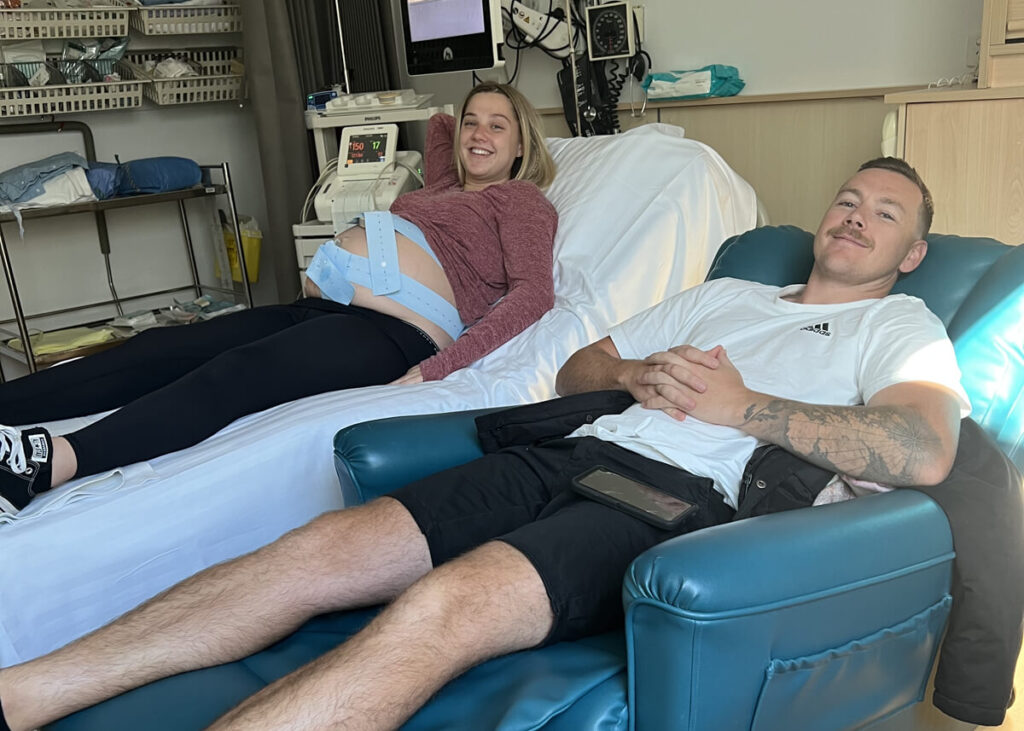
{"x": 338, "y": 527}
{"x": 362, "y": 538}
{"x": 492, "y": 593}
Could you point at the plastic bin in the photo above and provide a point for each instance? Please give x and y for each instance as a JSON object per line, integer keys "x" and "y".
{"x": 252, "y": 240}
{"x": 162, "y": 20}
{"x": 219, "y": 82}
{"x": 30, "y": 101}
{"x": 20, "y": 24}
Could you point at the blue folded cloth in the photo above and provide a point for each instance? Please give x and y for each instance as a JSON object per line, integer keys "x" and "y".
{"x": 25, "y": 182}
{"x": 148, "y": 175}
{"x": 103, "y": 178}
{"x": 157, "y": 175}
{"x": 107, "y": 179}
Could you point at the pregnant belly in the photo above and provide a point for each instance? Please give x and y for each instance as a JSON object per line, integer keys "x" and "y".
{"x": 414, "y": 263}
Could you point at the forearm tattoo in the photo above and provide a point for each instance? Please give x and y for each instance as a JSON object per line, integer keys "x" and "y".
{"x": 885, "y": 444}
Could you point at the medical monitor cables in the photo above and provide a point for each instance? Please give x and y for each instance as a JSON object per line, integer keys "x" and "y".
{"x": 330, "y": 171}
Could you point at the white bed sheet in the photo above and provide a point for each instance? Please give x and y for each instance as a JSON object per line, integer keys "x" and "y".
{"x": 641, "y": 215}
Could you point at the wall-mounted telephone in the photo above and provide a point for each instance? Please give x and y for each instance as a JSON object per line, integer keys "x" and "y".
{"x": 590, "y": 90}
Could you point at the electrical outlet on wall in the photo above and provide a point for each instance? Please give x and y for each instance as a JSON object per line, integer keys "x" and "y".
{"x": 532, "y": 4}
{"x": 973, "y": 51}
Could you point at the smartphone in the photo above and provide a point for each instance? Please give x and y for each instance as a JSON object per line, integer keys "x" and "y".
{"x": 642, "y": 501}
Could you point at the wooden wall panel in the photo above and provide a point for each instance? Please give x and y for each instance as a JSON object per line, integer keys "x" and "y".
{"x": 795, "y": 153}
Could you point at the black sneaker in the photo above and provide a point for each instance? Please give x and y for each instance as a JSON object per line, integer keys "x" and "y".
{"x": 25, "y": 464}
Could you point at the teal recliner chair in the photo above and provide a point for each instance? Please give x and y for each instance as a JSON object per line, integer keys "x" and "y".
{"x": 822, "y": 618}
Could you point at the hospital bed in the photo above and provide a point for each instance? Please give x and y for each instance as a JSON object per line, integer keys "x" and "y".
{"x": 641, "y": 216}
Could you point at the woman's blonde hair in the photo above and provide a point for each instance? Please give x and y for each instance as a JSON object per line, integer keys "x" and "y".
{"x": 536, "y": 164}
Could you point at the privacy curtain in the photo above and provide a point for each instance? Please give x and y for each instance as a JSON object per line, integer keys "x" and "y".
{"x": 278, "y": 99}
{"x": 293, "y": 48}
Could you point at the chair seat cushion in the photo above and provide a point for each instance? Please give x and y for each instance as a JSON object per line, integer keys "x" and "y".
{"x": 564, "y": 687}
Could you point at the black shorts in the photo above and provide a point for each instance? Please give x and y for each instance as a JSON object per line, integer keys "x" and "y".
{"x": 580, "y": 548}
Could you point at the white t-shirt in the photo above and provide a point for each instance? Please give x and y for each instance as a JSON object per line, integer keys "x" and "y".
{"x": 822, "y": 354}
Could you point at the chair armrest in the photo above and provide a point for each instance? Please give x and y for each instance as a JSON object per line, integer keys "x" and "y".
{"x": 712, "y": 615}
{"x": 375, "y": 457}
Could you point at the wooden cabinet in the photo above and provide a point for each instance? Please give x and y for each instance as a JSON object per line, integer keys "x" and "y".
{"x": 1001, "y": 56}
{"x": 968, "y": 145}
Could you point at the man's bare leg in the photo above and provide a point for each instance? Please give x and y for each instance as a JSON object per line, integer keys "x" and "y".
{"x": 356, "y": 557}
{"x": 487, "y": 603}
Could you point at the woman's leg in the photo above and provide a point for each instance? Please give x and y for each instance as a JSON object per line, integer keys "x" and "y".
{"x": 328, "y": 352}
{"x": 148, "y": 361}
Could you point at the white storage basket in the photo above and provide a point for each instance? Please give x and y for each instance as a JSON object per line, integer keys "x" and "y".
{"x": 217, "y": 83}
{"x": 163, "y": 20}
{"x": 96, "y": 22}
{"x": 31, "y": 101}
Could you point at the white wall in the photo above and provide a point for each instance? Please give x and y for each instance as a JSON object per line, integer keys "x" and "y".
{"x": 789, "y": 45}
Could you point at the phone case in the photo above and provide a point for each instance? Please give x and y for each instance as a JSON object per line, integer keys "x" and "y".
{"x": 626, "y": 507}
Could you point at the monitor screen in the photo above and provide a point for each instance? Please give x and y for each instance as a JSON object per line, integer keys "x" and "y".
{"x": 364, "y": 149}
{"x": 451, "y": 35}
{"x": 433, "y": 19}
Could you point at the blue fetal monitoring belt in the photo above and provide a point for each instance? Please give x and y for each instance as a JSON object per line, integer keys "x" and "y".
{"x": 335, "y": 270}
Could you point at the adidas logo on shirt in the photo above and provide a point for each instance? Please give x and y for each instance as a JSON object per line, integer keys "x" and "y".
{"x": 821, "y": 329}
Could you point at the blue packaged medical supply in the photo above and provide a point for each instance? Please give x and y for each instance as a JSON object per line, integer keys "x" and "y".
{"x": 709, "y": 81}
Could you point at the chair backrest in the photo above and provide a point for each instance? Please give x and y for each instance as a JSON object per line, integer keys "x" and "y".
{"x": 974, "y": 285}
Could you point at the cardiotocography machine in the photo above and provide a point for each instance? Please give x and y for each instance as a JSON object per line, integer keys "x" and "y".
{"x": 371, "y": 174}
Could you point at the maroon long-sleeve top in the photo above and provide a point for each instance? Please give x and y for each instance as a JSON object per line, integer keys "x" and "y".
{"x": 495, "y": 246}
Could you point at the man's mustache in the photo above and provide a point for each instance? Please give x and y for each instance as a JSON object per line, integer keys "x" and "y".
{"x": 848, "y": 232}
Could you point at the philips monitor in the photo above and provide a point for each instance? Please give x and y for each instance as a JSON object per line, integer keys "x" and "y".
{"x": 451, "y": 35}
{"x": 366, "y": 151}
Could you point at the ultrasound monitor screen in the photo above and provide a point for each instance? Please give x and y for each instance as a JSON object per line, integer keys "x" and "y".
{"x": 431, "y": 19}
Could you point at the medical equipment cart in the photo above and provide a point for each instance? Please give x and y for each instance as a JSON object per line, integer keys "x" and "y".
{"x": 360, "y": 109}
{"x": 366, "y": 108}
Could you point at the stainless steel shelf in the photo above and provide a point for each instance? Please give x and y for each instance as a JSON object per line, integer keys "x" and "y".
{"x": 98, "y": 209}
{"x": 110, "y": 204}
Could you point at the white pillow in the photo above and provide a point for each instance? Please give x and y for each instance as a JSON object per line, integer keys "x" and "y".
{"x": 641, "y": 215}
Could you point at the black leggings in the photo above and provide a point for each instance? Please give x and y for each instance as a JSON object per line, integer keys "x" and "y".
{"x": 178, "y": 385}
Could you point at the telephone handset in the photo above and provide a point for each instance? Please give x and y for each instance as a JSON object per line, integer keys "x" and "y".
{"x": 591, "y": 91}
